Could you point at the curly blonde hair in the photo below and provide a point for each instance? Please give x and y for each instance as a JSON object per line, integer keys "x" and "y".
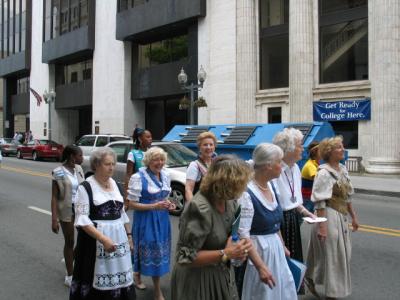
{"x": 153, "y": 153}
{"x": 226, "y": 179}
{"x": 328, "y": 145}
{"x": 206, "y": 135}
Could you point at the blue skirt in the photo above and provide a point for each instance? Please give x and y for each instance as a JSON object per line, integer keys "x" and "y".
{"x": 152, "y": 242}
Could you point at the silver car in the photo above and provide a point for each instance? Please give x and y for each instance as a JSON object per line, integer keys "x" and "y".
{"x": 178, "y": 160}
{"x": 90, "y": 142}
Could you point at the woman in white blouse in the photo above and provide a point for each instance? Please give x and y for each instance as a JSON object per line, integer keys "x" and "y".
{"x": 267, "y": 273}
{"x": 289, "y": 188}
{"x": 148, "y": 192}
{"x": 103, "y": 268}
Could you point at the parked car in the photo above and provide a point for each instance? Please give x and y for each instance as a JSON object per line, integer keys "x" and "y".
{"x": 38, "y": 149}
{"x": 90, "y": 142}
{"x": 8, "y": 146}
{"x": 178, "y": 159}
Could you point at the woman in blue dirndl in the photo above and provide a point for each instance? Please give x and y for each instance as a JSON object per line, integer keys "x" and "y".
{"x": 148, "y": 192}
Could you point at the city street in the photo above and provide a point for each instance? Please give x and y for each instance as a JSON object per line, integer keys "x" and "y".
{"x": 30, "y": 254}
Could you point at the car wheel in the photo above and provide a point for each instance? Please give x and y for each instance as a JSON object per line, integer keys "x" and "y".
{"x": 19, "y": 155}
{"x": 35, "y": 156}
{"x": 177, "y": 197}
{"x": 4, "y": 154}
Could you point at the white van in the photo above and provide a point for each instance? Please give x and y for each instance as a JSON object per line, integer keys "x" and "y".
{"x": 88, "y": 143}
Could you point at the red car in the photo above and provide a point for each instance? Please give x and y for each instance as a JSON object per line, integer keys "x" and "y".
{"x": 38, "y": 149}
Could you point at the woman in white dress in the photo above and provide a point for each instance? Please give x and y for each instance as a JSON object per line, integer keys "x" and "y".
{"x": 329, "y": 253}
{"x": 267, "y": 273}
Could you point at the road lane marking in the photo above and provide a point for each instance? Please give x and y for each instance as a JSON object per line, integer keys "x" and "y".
{"x": 378, "y": 232}
{"x": 380, "y": 228}
{"x": 43, "y": 211}
{"x": 26, "y": 171}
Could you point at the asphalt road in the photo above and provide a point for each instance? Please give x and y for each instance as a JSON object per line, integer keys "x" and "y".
{"x": 30, "y": 254}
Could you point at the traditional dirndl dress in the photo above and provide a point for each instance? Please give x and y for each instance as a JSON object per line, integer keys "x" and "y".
{"x": 99, "y": 274}
{"x": 151, "y": 228}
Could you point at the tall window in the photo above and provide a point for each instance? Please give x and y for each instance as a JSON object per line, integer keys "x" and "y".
{"x": 12, "y": 26}
{"x": 127, "y": 4}
{"x": 274, "y": 43}
{"x": 23, "y": 85}
{"x": 63, "y": 16}
{"x": 343, "y": 40}
{"x": 67, "y": 74}
{"x": 162, "y": 52}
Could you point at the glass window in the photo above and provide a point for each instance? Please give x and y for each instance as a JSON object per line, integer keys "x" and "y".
{"x": 74, "y": 13}
{"x": 329, "y": 6}
{"x": 178, "y": 155}
{"x": 120, "y": 150}
{"x": 5, "y": 25}
{"x": 84, "y": 13}
{"x": 101, "y": 141}
{"x": 118, "y": 138}
{"x": 23, "y": 25}
{"x": 17, "y": 27}
{"x": 47, "y": 22}
{"x": 64, "y": 17}
{"x": 274, "y": 115}
{"x": 164, "y": 51}
{"x": 56, "y": 19}
{"x": 11, "y": 28}
{"x": 349, "y": 131}
{"x": 23, "y": 85}
{"x": 274, "y": 44}
{"x": 73, "y": 73}
{"x": 274, "y": 61}
{"x": 343, "y": 41}
{"x": 86, "y": 141}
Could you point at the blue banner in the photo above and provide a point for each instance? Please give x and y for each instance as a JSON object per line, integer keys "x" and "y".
{"x": 348, "y": 110}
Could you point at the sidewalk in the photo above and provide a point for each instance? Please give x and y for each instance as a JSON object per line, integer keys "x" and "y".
{"x": 384, "y": 185}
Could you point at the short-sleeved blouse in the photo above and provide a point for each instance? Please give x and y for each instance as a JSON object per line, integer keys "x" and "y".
{"x": 82, "y": 206}
{"x": 324, "y": 181}
{"x": 135, "y": 184}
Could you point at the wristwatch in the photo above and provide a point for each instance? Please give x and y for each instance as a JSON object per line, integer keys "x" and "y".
{"x": 224, "y": 257}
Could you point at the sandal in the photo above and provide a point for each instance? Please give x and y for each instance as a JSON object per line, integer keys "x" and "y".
{"x": 311, "y": 286}
{"x": 138, "y": 281}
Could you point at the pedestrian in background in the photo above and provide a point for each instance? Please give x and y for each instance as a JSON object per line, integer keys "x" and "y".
{"x": 206, "y": 143}
{"x": 102, "y": 268}
{"x": 267, "y": 273}
{"x": 66, "y": 179}
{"x": 289, "y": 189}
{"x": 202, "y": 269}
{"x": 329, "y": 253}
{"x": 142, "y": 140}
{"x": 308, "y": 174}
{"x": 148, "y": 192}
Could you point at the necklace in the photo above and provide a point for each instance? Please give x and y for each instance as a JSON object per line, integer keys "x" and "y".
{"x": 265, "y": 189}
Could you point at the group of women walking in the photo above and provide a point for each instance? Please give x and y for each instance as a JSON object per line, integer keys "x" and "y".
{"x": 260, "y": 201}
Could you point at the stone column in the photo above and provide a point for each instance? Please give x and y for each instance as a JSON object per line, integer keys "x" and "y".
{"x": 384, "y": 74}
{"x": 246, "y": 61}
{"x": 301, "y": 63}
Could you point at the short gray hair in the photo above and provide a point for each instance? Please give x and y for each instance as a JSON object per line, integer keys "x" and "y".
{"x": 287, "y": 138}
{"x": 266, "y": 154}
{"x": 97, "y": 156}
{"x": 152, "y": 153}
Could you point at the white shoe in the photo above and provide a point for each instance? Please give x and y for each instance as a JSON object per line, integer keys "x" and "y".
{"x": 67, "y": 281}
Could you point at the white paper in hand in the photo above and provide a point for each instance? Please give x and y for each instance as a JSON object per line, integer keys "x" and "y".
{"x": 316, "y": 220}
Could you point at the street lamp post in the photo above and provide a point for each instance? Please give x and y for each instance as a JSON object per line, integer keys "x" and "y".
{"x": 192, "y": 87}
{"x": 49, "y": 97}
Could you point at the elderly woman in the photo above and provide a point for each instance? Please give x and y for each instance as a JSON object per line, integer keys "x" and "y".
{"x": 329, "y": 253}
{"x": 206, "y": 142}
{"x": 148, "y": 193}
{"x": 289, "y": 189}
{"x": 267, "y": 273}
{"x": 202, "y": 270}
{"x": 66, "y": 179}
{"x": 103, "y": 268}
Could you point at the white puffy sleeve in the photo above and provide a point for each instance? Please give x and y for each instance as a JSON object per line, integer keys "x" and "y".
{"x": 82, "y": 208}
{"x": 134, "y": 188}
{"x": 246, "y": 217}
{"x": 322, "y": 188}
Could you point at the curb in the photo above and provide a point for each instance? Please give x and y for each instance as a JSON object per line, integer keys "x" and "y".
{"x": 377, "y": 192}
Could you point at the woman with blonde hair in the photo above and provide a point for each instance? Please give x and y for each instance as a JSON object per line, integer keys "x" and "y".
{"x": 148, "y": 192}
{"x": 202, "y": 270}
{"x": 329, "y": 253}
{"x": 206, "y": 142}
